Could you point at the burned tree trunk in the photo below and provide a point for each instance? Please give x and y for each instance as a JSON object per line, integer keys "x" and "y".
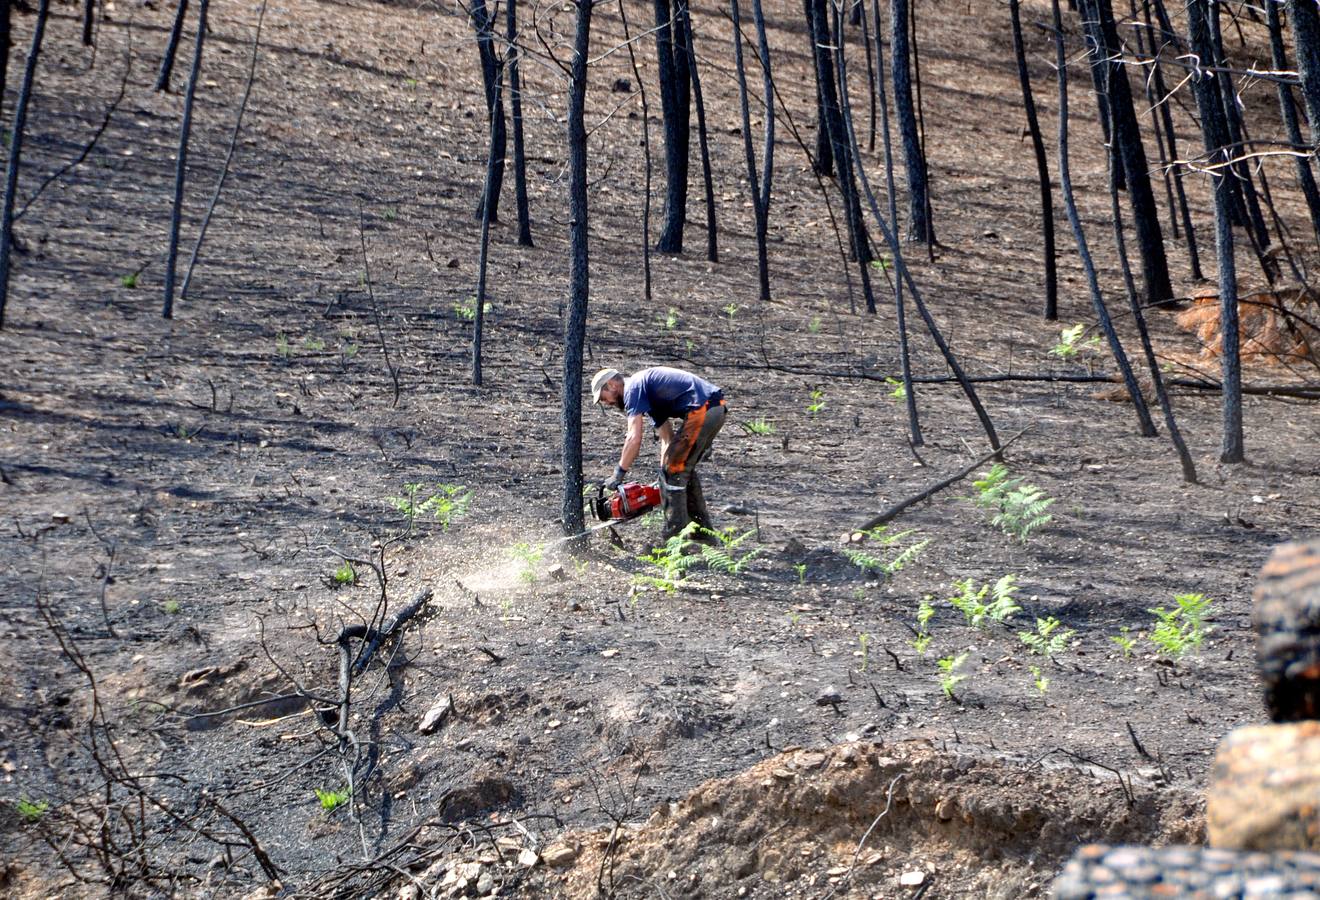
{"x": 171, "y": 48}
{"x": 671, "y": 52}
{"x": 575, "y": 326}
{"x": 1305, "y": 19}
{"x": 760, "y": 187}
{"x": 483, "y": 255}
{"x": 1126, "y": 135}
{"x": 16, "y": 151}
{"x": 1287, "y": 109}
{"x": 646, "y": 154}
{"x": 484, "y": 24}
{"x": 1042, "y": 168}
{"x": 181, "y": 161}
{"x": 1065, "y": 185}
{"x": 823, "y": 164}
{"x": 1230, "y": 360}
{"x": 515, "y": 109}
{"x": 712, "y": 234}
{"x": 919, "y": 227}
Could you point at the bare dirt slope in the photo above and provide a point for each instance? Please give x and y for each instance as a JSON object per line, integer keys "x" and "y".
{"x": 203, "y": 475}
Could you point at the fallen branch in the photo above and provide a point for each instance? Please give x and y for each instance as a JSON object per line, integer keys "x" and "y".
{"x": 893, "y": 511}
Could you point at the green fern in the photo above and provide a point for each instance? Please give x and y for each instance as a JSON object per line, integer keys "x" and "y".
{"x": 876, "y": 563}
{"x": 949, "y": 679}
{"x": 989, "y": 602}
{"x": 725, "y": 558}
{"x": 1019, "y": 508}
{"x": 1048, "y": 639}
{"x": 670, "y": 562}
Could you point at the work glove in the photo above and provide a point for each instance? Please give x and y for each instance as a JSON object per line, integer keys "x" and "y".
{"x": 612, "y": 483}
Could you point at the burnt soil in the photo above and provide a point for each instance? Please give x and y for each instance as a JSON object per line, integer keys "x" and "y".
{"x": 229, "y": 455}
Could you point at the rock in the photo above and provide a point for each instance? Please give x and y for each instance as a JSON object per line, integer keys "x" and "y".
{"x": 1264, "y": 791}
{"x": 944, "y": 810}
{"x": 528, "y": 858}
{"x": 410, "y": 892}
{"x": 469, "y": 871}
{"x": 485, "y": 884}
{"x": 436, "y": 715}
{"x": 811, "y": 760}
{"x": 829, "y": 697}
{"x": 1285, "y": 613}
{"x": 915, "y": 878}
{"x": 557, "y": 856}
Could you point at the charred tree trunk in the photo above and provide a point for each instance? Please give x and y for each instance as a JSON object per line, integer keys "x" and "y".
{"x": 1126, "y": 135}
{"x": 1305, "y": 177}
{"x": 16, "y": 151}
{"x": 843, "y": 158}
{"x": 712, "y": 234}
{"x": 181, "y": 160}
{"x": 575, "y": 326}
{"x": 760, "y": 187}
{"x": 1065, "y": 185}
{"x": 171, "y": 48}
{"x": 859, "y": 9}
{"x": 1305, "y": 18}
{"x": 901, "y": 269}
{"x": 900, "y": 308}
{"x": 824, "y": 161}
{"x": 484, "y": 24}
{"x": 1230, "y": 361}
{"x": 1156, "y": 89}
{"x": 675, "y": 79}
{"x": 919, "y": 228}
{"x": 483, "y": 254}
{"x": 646, "y": 154}
{"x": 1042, "y": 168}
{"x": 1236, "y": 133}
{"x": 6, "y": 39}
{"x": 1214, "y": 130}
{"x": 515, "y": 109}
{"x": 88, "y": 17}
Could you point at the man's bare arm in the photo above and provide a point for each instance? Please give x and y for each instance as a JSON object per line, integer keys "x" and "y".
{"x": 633, "y": 443}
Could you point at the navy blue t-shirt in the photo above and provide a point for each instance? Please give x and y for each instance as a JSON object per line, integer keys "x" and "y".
{"x": 664, "y": 393}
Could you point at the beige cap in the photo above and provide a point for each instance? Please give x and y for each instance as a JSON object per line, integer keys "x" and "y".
{"x": 599, "y": 380}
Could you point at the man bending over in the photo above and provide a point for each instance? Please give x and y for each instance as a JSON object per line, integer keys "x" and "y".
{"x": 664, "y": 394}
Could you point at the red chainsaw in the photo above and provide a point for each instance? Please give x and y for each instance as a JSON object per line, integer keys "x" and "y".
{"x": 630, "y": 500}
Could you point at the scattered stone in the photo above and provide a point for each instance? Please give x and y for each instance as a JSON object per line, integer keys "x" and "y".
{"x": 915, "y": 878}
{"x": 811, "y": 760}
{"x": 944, "y": 810}
{"x": 829, "y": 697}
{"x": 410, "y": 891}
{"x": 610, "y": 653}
{"x": 1264, "y": 791}
{"x": 436, "y": 715}
{"x": 559, "y": 855}
{"x": 485, "y": 884}
{"x": 1145, "y": 872}
{"x": 528, "y": 858}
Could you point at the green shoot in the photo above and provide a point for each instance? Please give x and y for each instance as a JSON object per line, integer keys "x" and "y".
{"x": 1019, "y": 509}
{"x": 801, "y": 569}
{"x": 344, "y": 575}
{"x": 1048, "y": 639}
{"x": 129, "y": 281}
{"x": 949, "y": 679}
{"x": 530, "y": 555}
{"x": 32, "y": 811}
{"x": 920, "y": 643}
{"x": 671, "y": 319}
{"x": 814, "y": 325}
{"x": 171, "y": 607}
{"x": 864, "y": 641}
{"x": 877, "y": 564}
{"x": 282, "y": 347}
{"x": 1182, "y": 629}
{"x": 882, "y": 264}
{"x": 992, "y": 602}
{"x": 793, "y": 617}
{"x": 1041, "y": 682}
{"x": 817, "y": 402}
{"x": 925, "y": 612}
{"x": 1070, "y": 342}
{"x": 313, "y": 343}
{"x": 1124, "y": 641}
{"x": 669, "y": 562}
{"x": 331, "y": 800}
{"x": 730, "y": 309}
{"x": 726, "y": 558}
{"x": 446, "y": 503}
{"x": 467, "y": 310}
{"x": 758, "y": 426}
{"x": 899, "y": 390}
